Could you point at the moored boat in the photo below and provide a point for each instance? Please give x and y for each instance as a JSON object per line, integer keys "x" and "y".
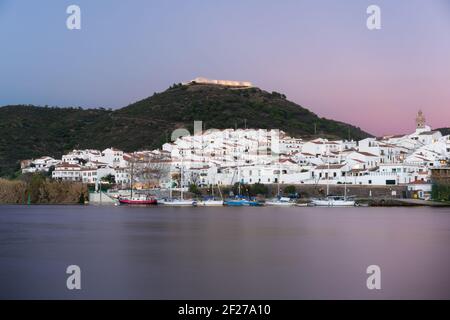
{"x": 280, "y": 202}
{"x": 178, "y": 202}
{"x": 239, "y": 202}
{"x": 138, "y": 200}
{"x": 210, "y": 203}
{"x": 334, "y": 201}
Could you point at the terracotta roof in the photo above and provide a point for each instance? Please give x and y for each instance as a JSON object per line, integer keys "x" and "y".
{"x": 419, "y": 182}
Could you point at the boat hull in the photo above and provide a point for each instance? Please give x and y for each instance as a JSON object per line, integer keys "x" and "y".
{"x": 334, "y": 203}
{"x": 180, "y": 203}
{"x": 242, "y": 203}
{"x": 138, "y": 202}
{"x": 279, "y": 204}
{"x": 211, "y": 203}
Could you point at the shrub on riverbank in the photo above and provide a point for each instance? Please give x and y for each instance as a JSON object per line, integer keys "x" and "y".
{"x": 440, "y": 192}
{"x": 12, "y": 191}
{"x": 38, "y": 189}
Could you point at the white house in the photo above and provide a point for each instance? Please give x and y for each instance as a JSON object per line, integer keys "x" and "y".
{"x": 42, "y": 164}
{"x": 67, "y": 171}
{"x": 328, "y": 172}
{"x": 420, "y": 189}
{"x": 362, "y": 160}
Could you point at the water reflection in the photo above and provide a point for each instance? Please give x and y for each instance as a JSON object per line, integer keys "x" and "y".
{"x": 229, "y": 253}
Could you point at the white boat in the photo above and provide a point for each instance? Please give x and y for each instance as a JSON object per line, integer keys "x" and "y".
{"x": 174, "y": 202}
{"x": 280, "y": 202}
{"x": 334, "y": 201}
{"x": 177, "y": 202}
{"x": 210, "y": 203}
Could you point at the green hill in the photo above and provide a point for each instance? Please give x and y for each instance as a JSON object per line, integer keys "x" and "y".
{"x": 29, "y": 131}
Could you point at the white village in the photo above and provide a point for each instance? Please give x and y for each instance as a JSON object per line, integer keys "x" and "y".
{"x": 250, "y": 156}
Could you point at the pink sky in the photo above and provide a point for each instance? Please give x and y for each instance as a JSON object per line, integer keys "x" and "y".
{"x": 319, "y": 53}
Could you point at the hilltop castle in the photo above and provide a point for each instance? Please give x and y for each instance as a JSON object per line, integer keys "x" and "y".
{"x": 227, "y": 83}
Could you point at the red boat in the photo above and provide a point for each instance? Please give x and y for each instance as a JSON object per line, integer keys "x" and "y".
{"x": 138, "y": 200}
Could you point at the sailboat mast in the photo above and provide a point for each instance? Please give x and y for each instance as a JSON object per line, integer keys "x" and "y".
{"x": 345, "y": 186}
{"x": 328, "y": 178}
{"x": 132, "y": 178}
{"x": 181, "y": 180}
{"x": 239, "y": 178}
{"x": 279, "y": 176}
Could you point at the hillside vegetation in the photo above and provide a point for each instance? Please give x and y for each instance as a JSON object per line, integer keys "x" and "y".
{"x": 30, "y": 131}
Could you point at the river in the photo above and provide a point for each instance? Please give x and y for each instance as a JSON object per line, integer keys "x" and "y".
{"x": 224, "y": 253}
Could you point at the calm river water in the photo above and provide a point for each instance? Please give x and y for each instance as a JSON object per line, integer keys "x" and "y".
{"x": 224, "y": 253}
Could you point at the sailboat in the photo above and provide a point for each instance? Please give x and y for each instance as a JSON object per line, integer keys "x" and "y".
{"x": 141, "y": 199}
{"x": 136, "y": 199}
{"x": 334, "y": 201}
{"x": 279, "y": 200}
{"x": 211, "y": 201}
{"x": 239, "y": 200}
{"x": 178, "y": 202}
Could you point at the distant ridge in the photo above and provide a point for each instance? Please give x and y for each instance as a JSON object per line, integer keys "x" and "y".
{"x": 30, "y": 132}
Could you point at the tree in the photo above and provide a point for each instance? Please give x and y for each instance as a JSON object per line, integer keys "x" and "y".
{"x": 259, "y": 189}
{"x": 290, "y": 189}
{"x": 194, "y": 178}
{"x": 193, "y": 188}
{"x": 245, "y": 188}
{"x": 440, "y": 192}
{"x": 49, "y": 173}
{"x": 110, "y": 178}
{"x": 152, "y": 170}
{"x": 35, "y": 186}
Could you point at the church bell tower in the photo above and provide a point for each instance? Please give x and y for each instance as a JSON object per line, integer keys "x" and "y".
{"x": 420, "y": 120}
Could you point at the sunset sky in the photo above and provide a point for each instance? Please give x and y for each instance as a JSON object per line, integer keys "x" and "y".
{"x": 319, "y": 53}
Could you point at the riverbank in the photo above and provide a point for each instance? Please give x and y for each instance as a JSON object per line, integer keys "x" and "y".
{"x": 386, "y": 202}
{"x": 107, "y": 198}
{"x": 41, "y": 190}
